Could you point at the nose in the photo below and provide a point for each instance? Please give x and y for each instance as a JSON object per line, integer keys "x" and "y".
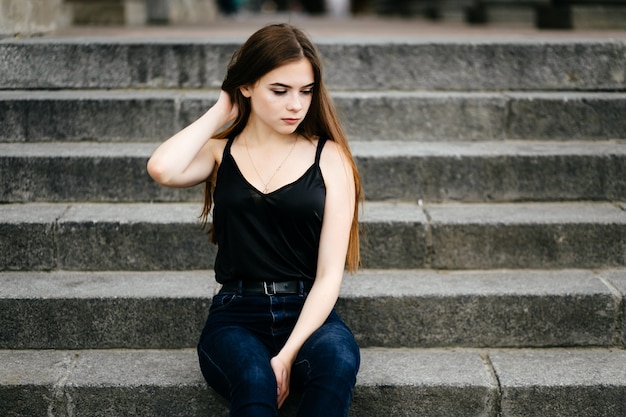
{"x": 294, "y": 103}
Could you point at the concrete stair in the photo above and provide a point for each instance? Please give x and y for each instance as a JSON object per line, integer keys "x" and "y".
{"x": 384, "y": 308}
{"x": 494, "y": 243}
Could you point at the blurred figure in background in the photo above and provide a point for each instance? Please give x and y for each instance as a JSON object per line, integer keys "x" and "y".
{"x": 313, "y": 7}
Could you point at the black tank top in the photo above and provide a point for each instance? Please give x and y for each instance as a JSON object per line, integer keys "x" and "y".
{"x": 267, "y": 237}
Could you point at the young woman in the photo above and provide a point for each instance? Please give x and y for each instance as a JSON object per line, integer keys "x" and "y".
{"x": 284, "y": 189}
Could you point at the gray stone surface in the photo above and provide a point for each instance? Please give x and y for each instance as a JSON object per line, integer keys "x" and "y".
{"x": 114, "y": 63}
{"x": 492, "y": 171}
{"x": 422, "y": 115}
{"x": 424, "y": 382}
{"x": 528, "y": 235}
{"x": 433, "y": 172}
{"x": 69, "y": 310}
{"x": 104, "y": 237}
{"x": 395, "y": 235}
{"x": 95, "y": 172}
{"x": 618, "y": 280}
{"x": 431, "y": 64}
{"x": 133, "y": 237}
{"x": 425, "y": 116}
{"x": 412, "y": 308}
{"x": 31, "y": 382}
{"x": 393, "y": 382}
{"x": 567, "y": 116}
{"x": 587, "y": 383}
{"x": 168, "y": 382}
{"x": 27, "y": 237}
{"x": 480, "y": 308}
{"x": 81, "y": 115}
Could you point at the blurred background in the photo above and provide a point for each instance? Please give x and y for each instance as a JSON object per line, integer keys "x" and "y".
{"x": 28, "y": 17}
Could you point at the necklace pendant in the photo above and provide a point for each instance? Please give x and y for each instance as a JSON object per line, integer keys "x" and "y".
{"x": 266, "y": 184}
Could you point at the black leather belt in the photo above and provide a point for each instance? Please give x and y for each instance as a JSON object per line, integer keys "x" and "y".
{"x": 265, "y": 287}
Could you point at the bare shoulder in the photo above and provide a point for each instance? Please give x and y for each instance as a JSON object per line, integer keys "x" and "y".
{"x": 334, "y": 163}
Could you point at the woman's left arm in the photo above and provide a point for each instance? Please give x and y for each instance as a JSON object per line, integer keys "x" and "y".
{"x": 339, "y": 212}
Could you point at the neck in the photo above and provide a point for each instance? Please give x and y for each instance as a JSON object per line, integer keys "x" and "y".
{"x": 256, "y": 137}
{"x": 260, "y": 134}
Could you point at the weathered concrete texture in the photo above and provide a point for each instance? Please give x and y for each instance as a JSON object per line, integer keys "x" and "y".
{"x": 476, "y": 65}
{"x": 423, "y": 382}
{"x": 168, "y": 382}
{"x": 133, "y": 237}
{"x": 393, "y": 236}
{"x": 396, "y": 235}
{"x": 70, "y": 115}
{"x": 552, "y": 64}
{"x": 433, "y": 172}
{"x": 562, "y": 383}
{"x": 104, "y": 237}
{"x": 438, "y": 383}
{"x": 95, "y": 172}
{"x": 539, "y": 235}
{"x": 566, "y": 116}
{"x": 492, "y": 171}
{"x": 27, "y": 237}
{"x": 618, "y": 280}
{"x": 105, "y": 383}
{"x": 67, "y": 310}
{"x": 480, "y": 308}
{"x": 416, "y": 308}
{"x": 81, "y": 63}
{"x": 30, "y": 381}
{"x": 425, "y": 116}
{"x": 422, "y": 116}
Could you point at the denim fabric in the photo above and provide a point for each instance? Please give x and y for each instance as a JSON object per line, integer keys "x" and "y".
{"x": 242, "y": 334}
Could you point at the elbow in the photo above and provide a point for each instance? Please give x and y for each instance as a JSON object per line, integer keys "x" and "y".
{"x": 157, "y": 172}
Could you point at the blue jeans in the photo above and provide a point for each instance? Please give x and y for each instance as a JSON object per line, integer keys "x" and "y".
{"x": 243, "y": 332}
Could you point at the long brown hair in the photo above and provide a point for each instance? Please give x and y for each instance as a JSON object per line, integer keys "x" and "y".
{"x": 267, "y": 49}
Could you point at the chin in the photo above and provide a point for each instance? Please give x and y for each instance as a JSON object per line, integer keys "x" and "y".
{"x": 288, "y": 130}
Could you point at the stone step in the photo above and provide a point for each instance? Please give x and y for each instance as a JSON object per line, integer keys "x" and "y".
{"x": 434, "y": 172}
{"x": 166, "y": 236}
{"x": 395, "y": 308}
{"x": 391, "y": 382}
{"x": 152, "y": 115}
{"x": 509, "y": 63}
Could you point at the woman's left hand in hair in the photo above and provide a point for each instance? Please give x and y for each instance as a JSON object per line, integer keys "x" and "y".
{"x": 282, "y": 371}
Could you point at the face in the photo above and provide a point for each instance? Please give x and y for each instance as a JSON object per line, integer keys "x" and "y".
{"x": 281, "y": 98}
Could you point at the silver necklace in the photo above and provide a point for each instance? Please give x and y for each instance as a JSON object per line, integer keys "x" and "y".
{"x": 267, "y": 183}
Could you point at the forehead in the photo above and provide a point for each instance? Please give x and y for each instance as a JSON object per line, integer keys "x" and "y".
{"x": 294, "y": 74}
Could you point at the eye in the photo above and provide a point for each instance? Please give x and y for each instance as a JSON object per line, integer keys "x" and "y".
{"x": 307, "y": 92}
{"x": 280, "y": 92}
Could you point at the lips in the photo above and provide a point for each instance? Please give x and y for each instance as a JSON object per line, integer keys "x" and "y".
{"x": 290, "y": 121}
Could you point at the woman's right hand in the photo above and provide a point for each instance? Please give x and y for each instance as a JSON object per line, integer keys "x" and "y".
{"x": 226, "y": 107}
{"x": 188, "y": 157}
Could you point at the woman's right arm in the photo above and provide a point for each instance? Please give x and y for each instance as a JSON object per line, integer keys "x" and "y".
{"x": 187, "y": 158}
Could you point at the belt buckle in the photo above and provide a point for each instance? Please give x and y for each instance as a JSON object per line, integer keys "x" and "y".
{"x": 267, "y": 289}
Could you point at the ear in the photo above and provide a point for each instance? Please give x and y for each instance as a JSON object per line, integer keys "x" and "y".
{"x": 245, "y": 91}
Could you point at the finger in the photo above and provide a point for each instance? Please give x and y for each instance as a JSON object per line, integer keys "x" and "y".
{"x": 282, "y": 397}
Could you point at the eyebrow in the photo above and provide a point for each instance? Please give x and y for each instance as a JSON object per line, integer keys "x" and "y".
{"x": 288, "y": 86}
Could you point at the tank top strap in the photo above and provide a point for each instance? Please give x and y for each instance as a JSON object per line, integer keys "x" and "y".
{"x": 318, "y": 152}
{"x": 227, "y": 147}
